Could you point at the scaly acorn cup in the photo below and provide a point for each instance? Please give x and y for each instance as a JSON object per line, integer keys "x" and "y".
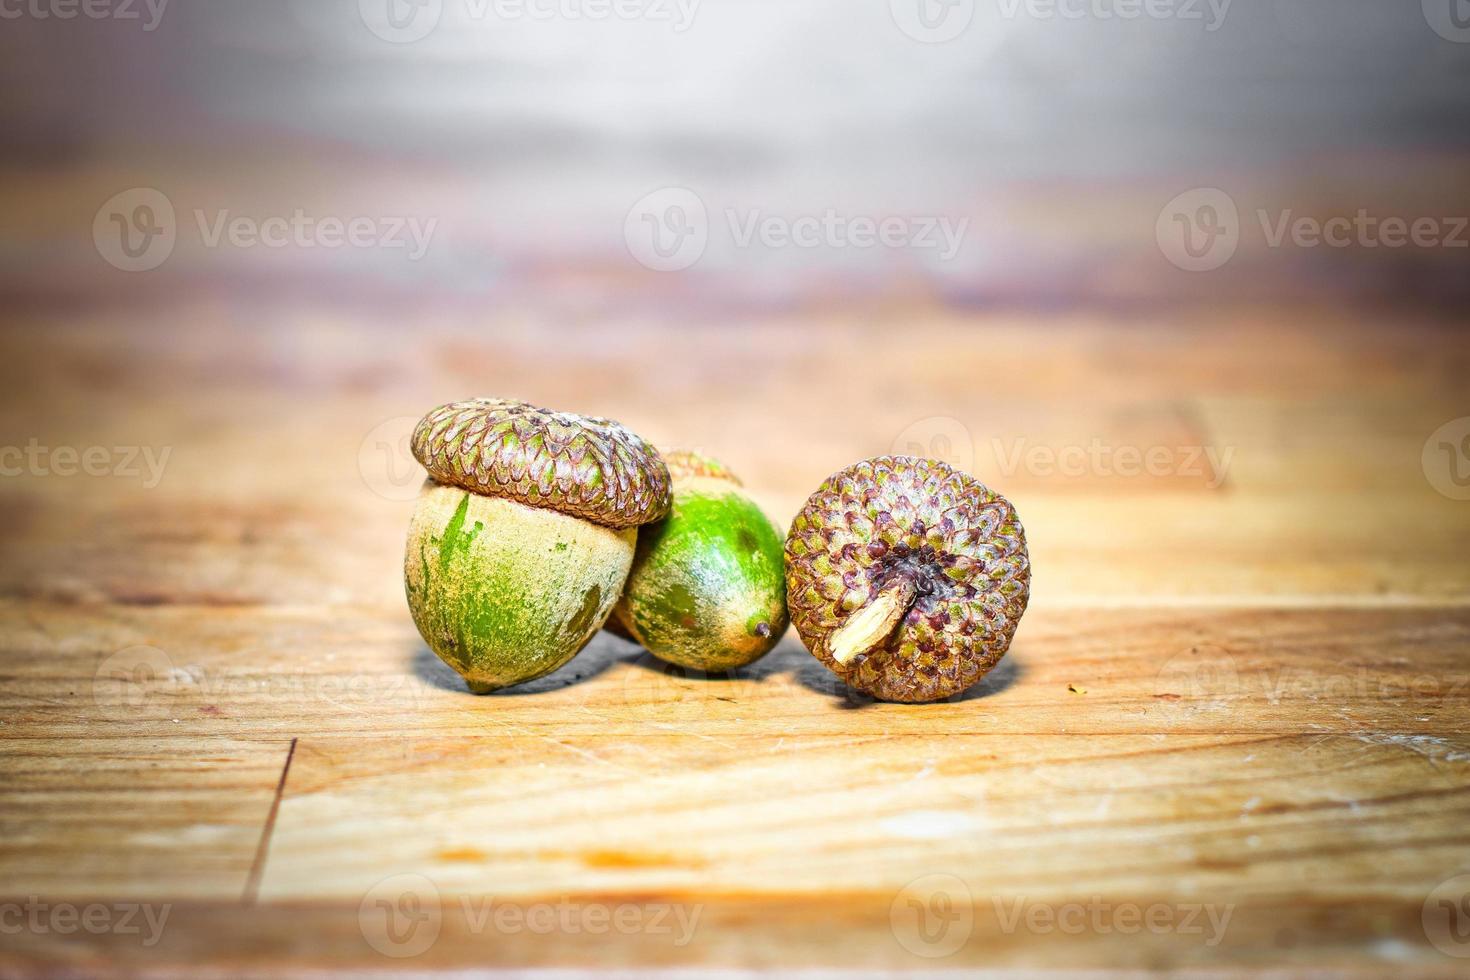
{"x": 523, "y": 534}
{"x": 707, "y": 589}
{"x": 907, "y": 577}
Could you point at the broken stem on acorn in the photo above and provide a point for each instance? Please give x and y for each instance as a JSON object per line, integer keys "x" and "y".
{"x": 872, "y": 624}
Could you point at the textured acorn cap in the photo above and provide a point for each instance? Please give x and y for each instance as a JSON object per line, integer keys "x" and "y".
{"x": 686, "y": 463}
{"x": 590, "y": 468}
{"x": 947, "y": 553}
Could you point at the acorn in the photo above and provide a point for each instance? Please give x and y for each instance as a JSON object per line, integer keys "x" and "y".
{"x": 907, "y": 577}
{"x": 707, "y": 590}
{"x": 523, "y": 534}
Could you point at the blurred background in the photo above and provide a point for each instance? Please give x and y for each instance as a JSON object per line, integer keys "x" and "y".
{"x": 794, "y": 234}
{"x": 1055, "y": 131}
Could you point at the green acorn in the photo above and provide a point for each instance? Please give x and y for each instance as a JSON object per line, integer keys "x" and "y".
{"x": 523, "y": 534}
{"x": 707, "y": 589}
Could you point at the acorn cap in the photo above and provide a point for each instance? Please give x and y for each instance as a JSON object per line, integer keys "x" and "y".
{"x": 686, "y": 463}
{"x": 907, "y": 577}
{"x": 590, "y": 468}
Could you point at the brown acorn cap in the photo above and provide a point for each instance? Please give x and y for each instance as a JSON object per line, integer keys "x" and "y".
{"x": 907, "y": 577}
{"x": 686, "y": 463}
{"x": 590, "y": 468}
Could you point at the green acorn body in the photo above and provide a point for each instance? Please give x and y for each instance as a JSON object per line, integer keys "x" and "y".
{"x": 707, "y": 589}
{"x": 523, "y": 535}
{"x": 505, "y": 593}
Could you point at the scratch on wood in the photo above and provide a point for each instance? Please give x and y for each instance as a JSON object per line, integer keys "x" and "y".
{"x": 257, "y": 867}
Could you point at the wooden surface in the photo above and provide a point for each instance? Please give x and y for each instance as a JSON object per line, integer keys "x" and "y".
{"x": 1232, "y": 730}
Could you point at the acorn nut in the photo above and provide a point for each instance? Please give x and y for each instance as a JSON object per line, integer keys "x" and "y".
{"x": 907, "y": 577}
{"x": 523, "y": 535}
{"x": 707, "y": 590}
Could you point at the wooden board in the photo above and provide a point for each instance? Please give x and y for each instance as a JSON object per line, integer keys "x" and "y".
{"x": 1232, "y": 731}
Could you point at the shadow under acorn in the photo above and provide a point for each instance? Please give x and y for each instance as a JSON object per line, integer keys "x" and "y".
{"x": 790, "y": 657}
{"x": 600, "y": 653}
{"x": 813, "y": 675}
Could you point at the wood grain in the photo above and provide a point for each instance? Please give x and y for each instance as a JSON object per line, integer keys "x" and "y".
{"x": 1241, "y": 691}
{"x": 141, "y": 818}
{"x": 1171, "y": 671}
